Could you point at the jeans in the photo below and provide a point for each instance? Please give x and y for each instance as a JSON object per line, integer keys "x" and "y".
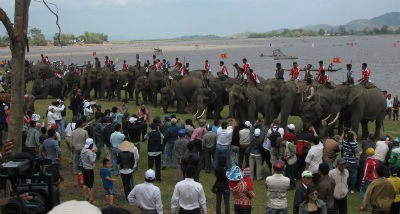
{"x": 353, "y": 169}
{"x": 156, "y": 160}
{"x": 208, "y": 154}
{"x": 275, "y": 211}
{"x": 100, "y": 145}
{"x": 243, "y": 156}
{"x": 114, "y": 157}
{"x": 76, "y": 162}
{"x": 330, "y": 164}
{"x": 225, "y": 150}
{"x": 242, "y": 210}
{"x": 364, "y": 188}
{"x": 234, "y": 154}
{"x": 60, "y": 127}
{"x": 257, "y": 161}
{"x": 128, "y": 183}
{"x": 169, "y": 150}
{"x": 219, "y": 195}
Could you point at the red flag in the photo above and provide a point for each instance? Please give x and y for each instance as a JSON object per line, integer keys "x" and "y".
{"x": 94, "y": 53}
{"x": 223, "y": 55}
{"x": 337, "y": 60}
{"x": 395, "y": 44}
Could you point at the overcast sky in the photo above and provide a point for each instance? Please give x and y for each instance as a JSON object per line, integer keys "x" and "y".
{"x": 150, "y": 19}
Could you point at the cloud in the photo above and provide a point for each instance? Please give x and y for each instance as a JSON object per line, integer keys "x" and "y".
{"x": 109, "y": 2}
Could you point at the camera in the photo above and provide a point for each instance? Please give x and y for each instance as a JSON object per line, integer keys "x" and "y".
{"x": 29, "y": 175}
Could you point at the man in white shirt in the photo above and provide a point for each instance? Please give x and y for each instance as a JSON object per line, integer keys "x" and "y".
{"x": 381, "y": 150}
{"x": 277, "y": 186}
{"x": 224, "y": 138}
{"x": 147, "y": 196}
{"x": 189, "y": 195}
{"x": 389, "y": 106}
{"x": 51, "y": 116}
{"x": 314, "y": 158}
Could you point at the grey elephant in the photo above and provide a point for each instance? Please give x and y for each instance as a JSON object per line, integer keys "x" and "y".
{"x": 41, "y": 89}
{"x": 70, "y": 82}
{"x": 126, "y": 80}
{"x": 91, "y": 80}
{"x": 142, "y": 87}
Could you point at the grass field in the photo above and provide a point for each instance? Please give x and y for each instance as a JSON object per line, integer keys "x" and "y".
{"x": 70, "y": 190}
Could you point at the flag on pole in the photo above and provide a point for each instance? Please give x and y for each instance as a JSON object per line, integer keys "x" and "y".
{"x": 394, "y": 44}
{"x": 337, "y": 59}
{"x": 94, "y": 53}
{"x": 223, "y": 56}
{"x": 117, "y": 59}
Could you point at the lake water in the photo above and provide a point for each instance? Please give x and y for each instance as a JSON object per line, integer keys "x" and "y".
{"x": 379, "y": 52}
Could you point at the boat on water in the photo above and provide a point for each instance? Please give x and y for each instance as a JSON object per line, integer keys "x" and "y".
{"x": 277, "y": 54}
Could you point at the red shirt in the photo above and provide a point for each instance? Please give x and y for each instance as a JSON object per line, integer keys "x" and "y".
{"x": 320, "y": 69}
{"x": 323, "y": 79}
{"x": 177, "y": 64}
{"x": 107, "y": 62}
{"x": 182, "y": 70}
{"x": 289, "y": 136}
{"x": 224, "y": 70}
{"x": 125, "y": 66}
{"x": 160, "y": 65}
{"x": 207, "y": 67}
{"x": 246, "y": 68}
{"x": 253, "y": 78}
{"x": 365, "y": 74}
{"x": 295, "y": 73}
{"x": 370, "y": 173}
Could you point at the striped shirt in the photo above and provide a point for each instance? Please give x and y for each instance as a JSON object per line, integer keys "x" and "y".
{"x": 350, "y": 149}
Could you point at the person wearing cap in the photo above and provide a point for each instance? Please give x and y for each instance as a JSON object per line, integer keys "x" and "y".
{"x": 97, "y": 129}
{"x": 331, "y": 149}
{"x": 147, "y": 196}
{"x": 314, "y": 158}
{"x": 394, "y": 159}
{"x": 170, "y": 134}
{"x": 395, "y": 180}
{"x": 208, "y": 145}
{"x": 128, "y": 158}
{"x": 50, "y": 149}
{"x": 116, "y": 138}
{"x": 244, "y": 142}
{"x": 88, "y": 157}
{"x": 349, "y": 151}
{"x": 300, "y": 194}
{"x": 277, "y": 186}
{"x": 188, "y": 195}
{"x": 370, "y": 173}
{"x": 255, "y": 157}
{"x": 242, "y": 195}
{"x": 51, "y": 116}
{"x": 224, "y": 138}
{"x": 326, "y": 187}
{"x": 180, "y": 149}
{"x": 340, "y": 175}
{"x": 154, "y": 149}
{"x": 380, "y": 193}
{"x": 382, "y": 149}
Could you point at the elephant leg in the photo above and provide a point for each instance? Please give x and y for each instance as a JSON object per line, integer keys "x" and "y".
{"x": 364, "y": 127}
{"x": 378, "y": 126}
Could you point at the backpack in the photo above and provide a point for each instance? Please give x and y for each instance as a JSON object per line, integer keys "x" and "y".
{"x": 273, "y": 137}
{"x": 108, "y": 130}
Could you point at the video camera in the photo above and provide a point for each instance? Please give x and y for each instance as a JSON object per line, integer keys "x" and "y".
{"x": 26, "y": 175}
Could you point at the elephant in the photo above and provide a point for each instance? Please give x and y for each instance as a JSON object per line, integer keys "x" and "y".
{"x": 39, "y": 71}
{"x": 91, "y": 80}
{"x": 42, "y": 88}
{"x": 70, "y": 82}
{"x": 126, "y": 80}
{"x": 108, "y": 84}
{"x": 142, "y": 86}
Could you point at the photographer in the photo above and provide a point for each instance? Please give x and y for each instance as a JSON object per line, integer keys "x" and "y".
{"x": 349, "y": 150}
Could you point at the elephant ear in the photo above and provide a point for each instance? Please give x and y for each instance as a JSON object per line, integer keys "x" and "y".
{"x": 353, "y": 94}
{"x": 213, "y": 97}
{"x": 228, "y": 88}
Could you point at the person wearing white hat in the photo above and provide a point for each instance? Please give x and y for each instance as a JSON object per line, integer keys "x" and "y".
{"x": 51, "y": 116}
{"x": 147, "y": 196}
{"x": 88, "y": 157}
{"x": 87, "y": 110}
{"x": 244, "y": 140}
{"x": 300, "y": 194}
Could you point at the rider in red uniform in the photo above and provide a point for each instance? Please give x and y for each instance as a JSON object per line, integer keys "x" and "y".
{"x": 177, "y": 63}
{"x": 366, "y": 73}
{"x": 295, "y": 71}
{"x": 320, "y": 69}
{"x": 107, "y": 62}
{"x": 323, "y": 78}
{"x": 207, "y": 66}
{"x": 246, "y": 66}
{"x": 125, "y": 66}
{"x": 223, "y": 69}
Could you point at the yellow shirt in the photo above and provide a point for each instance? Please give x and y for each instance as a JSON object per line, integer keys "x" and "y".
{"x": 396, "y": 184}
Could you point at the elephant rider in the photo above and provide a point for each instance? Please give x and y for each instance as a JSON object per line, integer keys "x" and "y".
{"x": 146, "y": 69}
{"x": 97, "y": 63}
{"x": 294, "y": 72}
{"x": 125, "y": 66}
{"x": 160, "y": 65}
{"x": 177, "y": 63}
{"x": 205, "y": 79}
{"x": 253, "y": 78}
{"x": 349, "y": 77}
{"x": 366, "y": 73}
{"x": 323, "y": 78}
{"x": 239, "y": 72}
{"x": 207, "y": 66}
{"x": 246, "y": 66}
{"x": 223, "y": 69}
{"x": 279, "y": 72}
{"x": 107, "y": 61}
{"x": 309, "y": 93}
{"x": 89, "y": 65}
{"x": 308, "y": 73}
{"x": 320, "y": 68}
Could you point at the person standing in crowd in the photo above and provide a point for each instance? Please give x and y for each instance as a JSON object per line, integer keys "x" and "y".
{"x": 395, "y": 180}
{"x": 116, "y": 138}
{"x": 370, "y": 174}
{"x": 221, "y": 186}
{"x": 235, "y": 143}
{"x": 189, "y": 127}
{"x": 243, "y": 196}
{"x": 300, "y": 194}
{"x": 51, "y": 150}
{"x": 380, "y": 193}
{"x": 78, "y": 138}
{"x": 290, "y": 159}
{"x": 32, "y": 139}
{"x": 58, "y": 107}
{"x": 312, "y": 204}
{"x": 254, "y": 151}
{"x": 154, "y": 149}
{"x": 143, "y": 115}
{"x": 88, "y": 157}
{"x": 208, "y": 143}
{"x": 326, "y": 188}
{"x": 394, "y": 159}
{"x": 277, "y": 186}
{"x": 97, "y": 129}
{"x": 108, "y": 181}
{"x": 134, "y": 130}
{"x": 108, "y": 130}
{"x": 180, "y": 149}
{"x": 396, "y": 106}
{"x": 331, "y": 149}
{"x": 382, "y": 149}
{"x": 128, "y": 158}
{"x": 365, "y": 144}
{"x": 271, "y": 141}
{"x": 340, "y": 175}
{"x": 191, "y": 158}
{"x": 147, "y": 196}
{"x": 349, "y": 151}
{"x": 314, "y": 158}
{"x": 188, "y": 195}
{"x": 224, "y": 138}
{"x": 244, "y": 142}
{"x": 170, "y": 134}
{"x": 51, "y": 116}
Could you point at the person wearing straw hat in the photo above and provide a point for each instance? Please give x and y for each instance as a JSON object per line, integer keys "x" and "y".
{"x": 128, "y": 158}
{"x": 242, "y": 196}
{"x": 147, "y": 196}
{"x": 88, "y": 157}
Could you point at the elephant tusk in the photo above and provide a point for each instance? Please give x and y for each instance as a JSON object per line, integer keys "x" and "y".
{"x": 334, "y": 120}
{"x": 195, "y": 113}
{"x": 201, "y": 114}
{"x": 326, "y": 118}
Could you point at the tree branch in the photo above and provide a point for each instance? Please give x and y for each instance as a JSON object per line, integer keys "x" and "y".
{"x": 7, "y": 24}
{"x": 55, "y": 14}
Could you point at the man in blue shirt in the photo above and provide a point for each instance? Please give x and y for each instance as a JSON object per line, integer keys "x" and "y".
{"x": 116, "y": 138}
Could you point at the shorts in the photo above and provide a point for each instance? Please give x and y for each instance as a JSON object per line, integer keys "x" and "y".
{"x": 88, "y": 177}
{"x": 110, "y": 191}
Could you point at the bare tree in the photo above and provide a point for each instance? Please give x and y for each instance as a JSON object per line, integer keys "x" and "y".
{"x": 17, "y": 33}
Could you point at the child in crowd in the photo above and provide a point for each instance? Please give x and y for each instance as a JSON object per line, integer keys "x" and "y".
{"x": 108, "y": 181}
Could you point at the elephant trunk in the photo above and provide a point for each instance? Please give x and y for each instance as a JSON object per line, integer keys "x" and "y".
{"x": 334, "y": 120}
